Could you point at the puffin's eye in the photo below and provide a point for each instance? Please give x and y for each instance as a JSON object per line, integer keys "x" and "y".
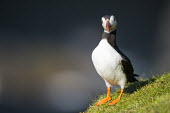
{"x": 114, "y": 19}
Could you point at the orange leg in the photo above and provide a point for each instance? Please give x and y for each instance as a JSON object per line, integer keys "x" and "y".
{"x": 108, "y": 98}
{"x": 118, "y": 99}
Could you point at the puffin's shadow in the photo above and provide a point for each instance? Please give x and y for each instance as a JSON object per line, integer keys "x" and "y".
{"x": 137, "y": 85}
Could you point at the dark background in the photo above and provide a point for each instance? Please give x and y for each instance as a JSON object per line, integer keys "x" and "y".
{"x": 46, "y": 45}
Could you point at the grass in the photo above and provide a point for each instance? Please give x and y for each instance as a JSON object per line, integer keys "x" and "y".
{"x": 146, "y": 96}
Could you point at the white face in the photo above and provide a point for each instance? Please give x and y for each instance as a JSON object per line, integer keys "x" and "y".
{"x": 111, "y": 22}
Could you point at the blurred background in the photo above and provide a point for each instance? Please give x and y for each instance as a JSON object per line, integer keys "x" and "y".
{"x": 46, "y": 46}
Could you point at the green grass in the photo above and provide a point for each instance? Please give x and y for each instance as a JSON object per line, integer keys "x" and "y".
{"x": 146, "y": 96}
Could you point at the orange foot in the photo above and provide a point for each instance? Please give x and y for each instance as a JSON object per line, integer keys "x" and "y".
{"x": 114, "y": 101}
{"x": 118, "y": 99}
{"x": 103, "y": 101}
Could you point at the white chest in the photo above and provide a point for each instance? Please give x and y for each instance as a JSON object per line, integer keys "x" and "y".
{"x": 107, "y": 62}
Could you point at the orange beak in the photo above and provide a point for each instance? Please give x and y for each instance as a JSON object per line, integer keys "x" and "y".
{"x": 108, "y": 25}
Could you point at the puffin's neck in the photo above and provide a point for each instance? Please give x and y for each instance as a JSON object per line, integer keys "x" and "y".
{"x": 111, "y": 38}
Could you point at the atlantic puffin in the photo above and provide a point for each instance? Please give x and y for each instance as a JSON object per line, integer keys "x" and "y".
{"x": 110, "y": 63}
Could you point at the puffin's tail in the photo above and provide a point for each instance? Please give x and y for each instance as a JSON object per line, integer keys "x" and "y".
{"x": 133, "y": 79}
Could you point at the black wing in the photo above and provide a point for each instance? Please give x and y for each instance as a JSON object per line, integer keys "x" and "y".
{"x": 126, "y": 64}
{"x": 128, "y": 69}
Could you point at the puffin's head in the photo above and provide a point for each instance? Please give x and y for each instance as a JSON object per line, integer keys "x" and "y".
{"x": 109, "y": 23}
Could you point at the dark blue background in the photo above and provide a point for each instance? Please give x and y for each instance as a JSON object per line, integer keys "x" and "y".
{"x": 46, "y": 45}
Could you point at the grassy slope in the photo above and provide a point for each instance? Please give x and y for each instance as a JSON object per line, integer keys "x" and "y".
{"x": 151, "y": 96}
